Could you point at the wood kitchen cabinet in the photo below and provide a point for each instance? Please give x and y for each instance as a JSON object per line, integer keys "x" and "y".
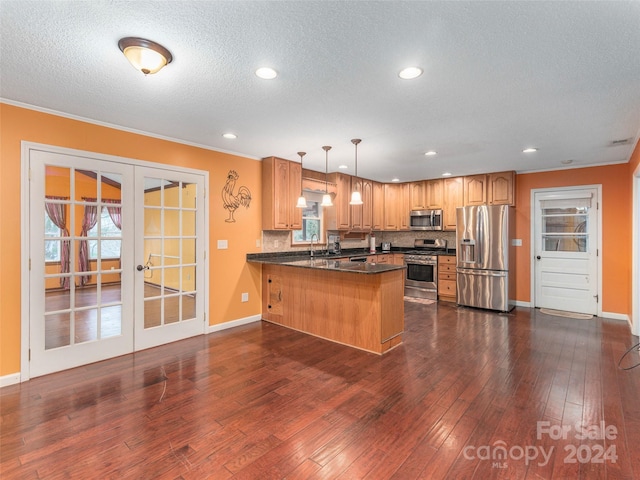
{"x": 273, "y": 304}
{"x": 475, "y": 190}
{"x": 362, "y": 215}
{"x": 434, "y": 194}
{"x": 377, "y": 216}
{"x": 405, "y": 206}
{"x": 338, "y": 217}
{"x": 501, "y": 188}
{"x": 418, "y": 195}
{"x": 392, "y": 202}
{"x": 281, "y": 186}
{"x": 453, "y": 199}
{"x": 447, "y": 278}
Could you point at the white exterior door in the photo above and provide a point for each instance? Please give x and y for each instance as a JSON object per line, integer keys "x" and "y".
{"x": 117, "y": 258}
{"x": 169, "y": 255}
{"x": 566, "y": 269}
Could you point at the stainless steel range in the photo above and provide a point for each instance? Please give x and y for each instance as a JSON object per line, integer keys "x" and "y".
{"x": 422, "y": 268}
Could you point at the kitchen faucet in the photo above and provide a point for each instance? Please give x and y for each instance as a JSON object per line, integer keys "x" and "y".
{"x": 311, "y": 248}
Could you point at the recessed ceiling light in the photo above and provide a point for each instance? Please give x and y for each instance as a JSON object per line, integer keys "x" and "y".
{"x": 266, "y": 73}
{"x": 229, "y": 135}
{"x": 529, "y": 150}
{"x": 446, "y": 174}
{"x": 410, "y": 73}
{"x": 343, "y": 167}
{"x": 395, "y": 179}
{"x": 567, "y": 162}
{"x": 430, "y": 152}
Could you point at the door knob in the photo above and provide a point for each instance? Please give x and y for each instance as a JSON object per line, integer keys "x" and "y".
{"x": 538, "y": 257}
{"x": 140, "y": 268}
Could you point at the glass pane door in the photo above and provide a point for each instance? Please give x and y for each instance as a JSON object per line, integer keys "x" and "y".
{"x": 170, "y": 256}
{"x": 81, "y": 308}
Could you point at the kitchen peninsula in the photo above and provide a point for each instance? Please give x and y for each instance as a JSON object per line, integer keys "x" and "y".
{"x": 355, "y": 304}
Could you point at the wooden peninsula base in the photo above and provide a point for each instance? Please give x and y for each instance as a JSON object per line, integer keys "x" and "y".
{"x": 362, "y": 310}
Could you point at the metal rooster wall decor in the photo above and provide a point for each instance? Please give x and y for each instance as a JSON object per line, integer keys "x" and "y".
{"x": 231, "y": 201}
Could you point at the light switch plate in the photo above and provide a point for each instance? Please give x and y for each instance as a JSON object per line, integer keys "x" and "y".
{"x": 516, "y": 242}
{"x": 223, "y": 244}
{"x": 245, "y": 297}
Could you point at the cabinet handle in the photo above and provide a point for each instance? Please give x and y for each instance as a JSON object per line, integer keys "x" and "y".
{"x": 268, "y": 306}
{"x": 269, "y": 280}
{"x": 280, "y": 296}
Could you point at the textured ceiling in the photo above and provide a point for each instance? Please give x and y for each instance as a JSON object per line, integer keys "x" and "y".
{"x": 499, "y": 77}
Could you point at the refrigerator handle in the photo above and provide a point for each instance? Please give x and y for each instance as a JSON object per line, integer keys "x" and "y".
{"x": 479, "y": 236}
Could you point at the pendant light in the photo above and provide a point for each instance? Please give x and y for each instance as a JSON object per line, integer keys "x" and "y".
{"x": 326, "y": 198}
{"x": 356, "y": 198}
{"x": 302, "y": 202}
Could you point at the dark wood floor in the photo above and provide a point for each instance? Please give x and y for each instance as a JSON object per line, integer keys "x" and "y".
{"x": 263, "y": 402}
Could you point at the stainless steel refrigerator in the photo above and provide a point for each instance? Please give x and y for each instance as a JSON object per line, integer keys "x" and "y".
{"x": 485, "y": 257}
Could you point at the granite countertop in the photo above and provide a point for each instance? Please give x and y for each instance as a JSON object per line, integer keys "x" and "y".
{"x": 323, "y": 263}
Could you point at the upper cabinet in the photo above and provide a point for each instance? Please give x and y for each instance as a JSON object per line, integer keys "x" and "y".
{"x": 501, "y": 188}
{"x": 392, "y": 200}
{"x": 490, "y": 189}
{"x": 453, "y": 198}
{"x": 418, "y": 195}
{"x": 405, "y": 206}
{"x": 378, "y": 206}
{"x": 338, "y": 217}
{"x": 362, "y": 215}
{"x": 434, "y": 194}
{"x": 475, "y": 190}
{"x": 281, "y": 186}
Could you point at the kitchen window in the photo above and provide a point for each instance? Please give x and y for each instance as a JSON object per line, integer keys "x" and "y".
{"x": 311, "y": 220}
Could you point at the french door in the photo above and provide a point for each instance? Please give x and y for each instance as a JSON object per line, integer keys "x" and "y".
{"x": 566, "y": 272}
{"x": 116, "y": 256}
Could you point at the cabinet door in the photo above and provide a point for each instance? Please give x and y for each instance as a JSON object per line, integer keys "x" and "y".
{"x": 391, "y": 206}
{"x": 418, "y": 195}
{"x": 356, "y": 210}
{"x": 475, "y": 190}
{"x": 274, "y": 295}
{"x": 343, "y": 197}
{"x": 378, "y": 206}
{"x": 295, "y": 187}
{"x": 434, "y": 194}
{"x": 281, "y": 189}
{"x": 452, "y": 199}
{"x": 501, "y": 186}
{"x": 405, "y": 206}
{"x": 367, "y": 205}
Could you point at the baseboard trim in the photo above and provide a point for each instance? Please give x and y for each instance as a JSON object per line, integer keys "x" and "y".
{"x": 11, "y": 379}
{"x": 617, "y": 316}
{"x": 233, "y": 323}
{"x": 523, "y": 304}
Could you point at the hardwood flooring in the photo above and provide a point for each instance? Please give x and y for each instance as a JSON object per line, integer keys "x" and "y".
{"x": 263, "y": 402}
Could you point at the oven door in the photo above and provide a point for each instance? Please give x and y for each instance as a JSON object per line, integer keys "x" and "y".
{"x": 421, "y": 280}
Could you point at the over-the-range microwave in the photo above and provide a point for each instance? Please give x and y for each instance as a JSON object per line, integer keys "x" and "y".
{"x": 425, "y": 220}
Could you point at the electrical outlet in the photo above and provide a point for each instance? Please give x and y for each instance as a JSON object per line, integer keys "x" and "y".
{"x": 223, "y": 244}
{"x": 276, "y": 243}
{"x": 245, "y": 297}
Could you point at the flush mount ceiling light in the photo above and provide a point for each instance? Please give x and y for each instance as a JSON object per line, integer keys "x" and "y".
{"x": 410, "y": 73}
{"x": 395, "y": 179}
{"x": 230, "y": 136}
{"x": 343, "y": 167}
{"x": 145, "y": 55}
{"x": 430, "y": 153}
{"x": 566, "y": 162}
{"x": 302, "y": 202}
{"x": 356, "y": 198}
{"x": 446, "y": 174}
{"x": 266, "y": 73}
{"x": 326, "y": 198}
{"x": 529, "y": 150}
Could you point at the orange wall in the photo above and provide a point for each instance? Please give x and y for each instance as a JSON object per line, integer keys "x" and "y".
{"x": 616, "y": 229}
{"x": 229, "y": 273}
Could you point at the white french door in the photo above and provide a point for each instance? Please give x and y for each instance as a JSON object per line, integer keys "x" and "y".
{"x": 566, "y": 243}
{"x": 170, "y": 256}
{"x": 116, "y": 256}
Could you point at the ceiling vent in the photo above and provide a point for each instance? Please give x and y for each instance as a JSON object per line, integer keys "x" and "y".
{"x": 617, "y": 143}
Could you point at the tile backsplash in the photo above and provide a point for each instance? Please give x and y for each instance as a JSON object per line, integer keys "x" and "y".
{"x": 280, "y": 241}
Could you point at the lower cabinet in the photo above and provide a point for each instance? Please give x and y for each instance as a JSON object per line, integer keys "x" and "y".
{"x": 447, "y": 278}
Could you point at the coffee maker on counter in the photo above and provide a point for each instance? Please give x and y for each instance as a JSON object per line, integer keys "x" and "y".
{"x": 333, "y": 244}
